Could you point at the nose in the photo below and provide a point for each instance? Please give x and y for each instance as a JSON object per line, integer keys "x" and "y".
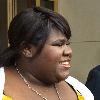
{"x": 67, "y": 51}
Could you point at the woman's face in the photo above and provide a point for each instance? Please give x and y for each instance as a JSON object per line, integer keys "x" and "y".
{"x": 53, "y": 63}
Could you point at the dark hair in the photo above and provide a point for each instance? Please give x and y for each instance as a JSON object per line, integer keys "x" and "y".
{"x": 32, "y": 25}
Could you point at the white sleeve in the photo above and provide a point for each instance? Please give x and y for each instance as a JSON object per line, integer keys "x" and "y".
{"x": 80, "y": 87}
{"x": 2, "y": 81}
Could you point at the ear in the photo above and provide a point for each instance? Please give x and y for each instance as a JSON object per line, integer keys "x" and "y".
{"x": 27, "y": 52}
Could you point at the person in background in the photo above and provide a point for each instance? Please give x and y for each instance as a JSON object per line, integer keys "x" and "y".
{"x": 37, "y": 62}
{"x": 93, "y": 82}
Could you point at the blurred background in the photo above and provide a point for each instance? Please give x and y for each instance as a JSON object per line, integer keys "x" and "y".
{"x": 84, "y": 19}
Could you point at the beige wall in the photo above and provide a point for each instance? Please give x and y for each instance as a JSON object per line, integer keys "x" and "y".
{"x": 84, "y": 19}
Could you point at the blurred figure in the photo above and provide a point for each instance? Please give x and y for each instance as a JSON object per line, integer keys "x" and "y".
{"x": 93, "y": 82}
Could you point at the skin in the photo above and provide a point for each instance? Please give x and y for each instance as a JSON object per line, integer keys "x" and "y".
{"x": 53, "y": 63}
{"x": 50, "y": 65}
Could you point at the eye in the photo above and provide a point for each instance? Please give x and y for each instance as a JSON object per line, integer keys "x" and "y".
{"x": 60, "y": 44}
{"x": 57, "y": 44}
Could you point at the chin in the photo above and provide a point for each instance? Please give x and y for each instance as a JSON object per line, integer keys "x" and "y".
{"x": 62, "y": 77}
{"x": 62, "y": 74}
{"x": 58, "y": 77}
{"x": 52, "y": 81}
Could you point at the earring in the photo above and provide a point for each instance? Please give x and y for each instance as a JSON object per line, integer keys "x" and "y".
{"x": 27, "y": 53}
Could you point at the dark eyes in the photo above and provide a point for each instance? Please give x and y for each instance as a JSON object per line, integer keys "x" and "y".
{"x": 60, "y": 44}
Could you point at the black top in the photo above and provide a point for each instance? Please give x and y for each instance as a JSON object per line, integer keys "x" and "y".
{"x": 93, "y": 82}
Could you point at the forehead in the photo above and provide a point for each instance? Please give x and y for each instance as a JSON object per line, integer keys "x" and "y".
{"x": 55, "y": 35}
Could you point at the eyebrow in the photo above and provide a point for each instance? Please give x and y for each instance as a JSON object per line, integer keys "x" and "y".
{"x": 59, "y": 40}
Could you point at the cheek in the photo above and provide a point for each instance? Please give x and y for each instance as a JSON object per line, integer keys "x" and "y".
{"x": 53, "y": 54}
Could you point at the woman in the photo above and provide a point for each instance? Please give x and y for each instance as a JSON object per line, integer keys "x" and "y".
{"x": 37, "y": 62}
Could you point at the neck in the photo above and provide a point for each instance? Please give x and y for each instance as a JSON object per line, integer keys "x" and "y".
{"x": 31, "y": 79}
{"x": 34, "y": 90}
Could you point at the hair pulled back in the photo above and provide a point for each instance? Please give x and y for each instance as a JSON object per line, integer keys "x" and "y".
{"x": 33, "y": 26}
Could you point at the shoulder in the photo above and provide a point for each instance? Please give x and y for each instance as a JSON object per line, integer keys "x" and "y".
{"x": 94, "y": 75}
{"x": 95, "y": 69}
{"x": 80, "y": 87}
{"x": 2, "y": 81}
{"x": 93, "y": 81}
